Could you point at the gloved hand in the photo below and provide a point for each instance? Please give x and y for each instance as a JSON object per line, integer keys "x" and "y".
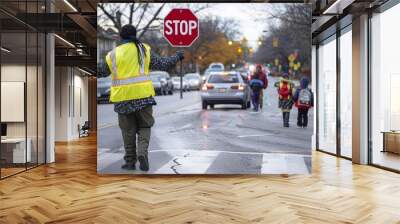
{"x": 180, "y": 54}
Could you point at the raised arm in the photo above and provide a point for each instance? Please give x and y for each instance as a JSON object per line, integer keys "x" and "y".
{"x": 164, "y": 63}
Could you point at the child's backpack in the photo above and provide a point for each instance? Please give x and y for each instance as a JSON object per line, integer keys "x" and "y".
{"x": 305, "y": 98}
{"x": 285, "y": 90}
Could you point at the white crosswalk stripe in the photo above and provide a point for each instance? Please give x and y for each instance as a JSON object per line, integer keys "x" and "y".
{"x": 188, "y": 162}
{"x": 202, "y": 162}
{"x": 283, "y": 164}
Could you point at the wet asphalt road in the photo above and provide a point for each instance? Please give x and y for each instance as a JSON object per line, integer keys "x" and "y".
{"x": 224, "y": 140}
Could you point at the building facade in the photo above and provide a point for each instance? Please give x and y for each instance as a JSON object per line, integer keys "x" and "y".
{"x": 357, "y": 81}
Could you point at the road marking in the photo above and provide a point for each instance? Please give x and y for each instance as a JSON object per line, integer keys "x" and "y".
{"x": 183, "y": 128}
{"x": 106, "y": 126}
{"x": 276, "y": 165}
{"x": 183, "y": 151}
{"x": 246, "y": 136}
{"x": 199, "y": 162}
{"x": 282, "y": 164}
{"x": 194, "y": 162}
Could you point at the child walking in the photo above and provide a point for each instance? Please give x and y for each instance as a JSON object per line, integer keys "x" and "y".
{"x": 304, "y": 99}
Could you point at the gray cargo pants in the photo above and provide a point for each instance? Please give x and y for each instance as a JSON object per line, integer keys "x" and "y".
{"x": 138, "y": 123}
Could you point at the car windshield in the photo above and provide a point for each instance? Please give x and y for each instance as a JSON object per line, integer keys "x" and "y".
{"x": 192, "y": 76}
{"x": 230, "y": 78}
{"x": 216, "y": 67}
{"x": 176, "y": 79}
{"x": 155, "y": 78}
{"x": 160, "y": 74}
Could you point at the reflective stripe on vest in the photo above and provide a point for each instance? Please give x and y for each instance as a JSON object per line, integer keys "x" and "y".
{"x": 133, "y": 80}
{"x": 114, "y": 63}
{"x": 140, "y": 78}
{"x": 143, "y": 61}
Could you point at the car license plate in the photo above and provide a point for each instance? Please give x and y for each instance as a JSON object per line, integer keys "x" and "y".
{"x": 222, "y": 90}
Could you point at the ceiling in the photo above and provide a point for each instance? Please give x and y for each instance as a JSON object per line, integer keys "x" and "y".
{"x": 74, "y": 22}
{"x": 330, "y": 15}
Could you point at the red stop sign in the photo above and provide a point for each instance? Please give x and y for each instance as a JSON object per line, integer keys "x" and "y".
{"x": 181, "y": 27}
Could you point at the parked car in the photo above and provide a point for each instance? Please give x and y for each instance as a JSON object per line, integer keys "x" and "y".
{"x": 177, "y": 83}
{"x": 245, "y": 73}
{"x": 162, "y": 82}
{"x": 225, "y": 88}
{"x": 194, "y": 81}
{"x": 103, "y": 89}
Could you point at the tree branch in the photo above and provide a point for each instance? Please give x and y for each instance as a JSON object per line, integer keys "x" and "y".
{"x": 132, "y": 10}
{"x": 152, "y": 20}
{"x": 142, "y": 15}
{"x": 206, "y": 6}
{"x": 111, "y": 17}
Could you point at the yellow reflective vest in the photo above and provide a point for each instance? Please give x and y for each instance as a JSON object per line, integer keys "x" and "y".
{"x": 129, "y": 80}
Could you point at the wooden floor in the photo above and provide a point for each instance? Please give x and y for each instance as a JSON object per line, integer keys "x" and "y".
{"x": 70, "y": 191}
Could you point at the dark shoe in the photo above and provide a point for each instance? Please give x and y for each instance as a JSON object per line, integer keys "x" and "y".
{"x": 128, "y": 166}
{"x": 144, "y": 163}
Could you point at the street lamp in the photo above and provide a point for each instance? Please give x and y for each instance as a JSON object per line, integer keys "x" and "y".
{"x": 230, "y": 43}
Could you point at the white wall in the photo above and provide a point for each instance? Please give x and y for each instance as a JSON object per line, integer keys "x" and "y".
{"x": 14, "y": 72}
{"x": 62, "y": 81}
{"x": 33, "y": 126}
{"x": 71, "y": 102}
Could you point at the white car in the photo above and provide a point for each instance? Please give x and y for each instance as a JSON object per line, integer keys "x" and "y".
{"x": 225, "y": 88}
{"x": 161, "y": 82}
{"x": 176, "y": 81}
{"x": 217, "y": 66}
{"x": 103, "y": 88}
{"x": 194, "y": 80}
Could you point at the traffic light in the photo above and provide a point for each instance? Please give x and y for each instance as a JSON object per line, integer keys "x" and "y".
{"x": 275, "y": 42}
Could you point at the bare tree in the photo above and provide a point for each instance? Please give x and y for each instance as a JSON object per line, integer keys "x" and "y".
{"x": 290, "y": 25}
{"x": 142, "y": 15}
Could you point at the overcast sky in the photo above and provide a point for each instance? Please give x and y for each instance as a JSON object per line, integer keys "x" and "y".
{"x": 249, "y": 16}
